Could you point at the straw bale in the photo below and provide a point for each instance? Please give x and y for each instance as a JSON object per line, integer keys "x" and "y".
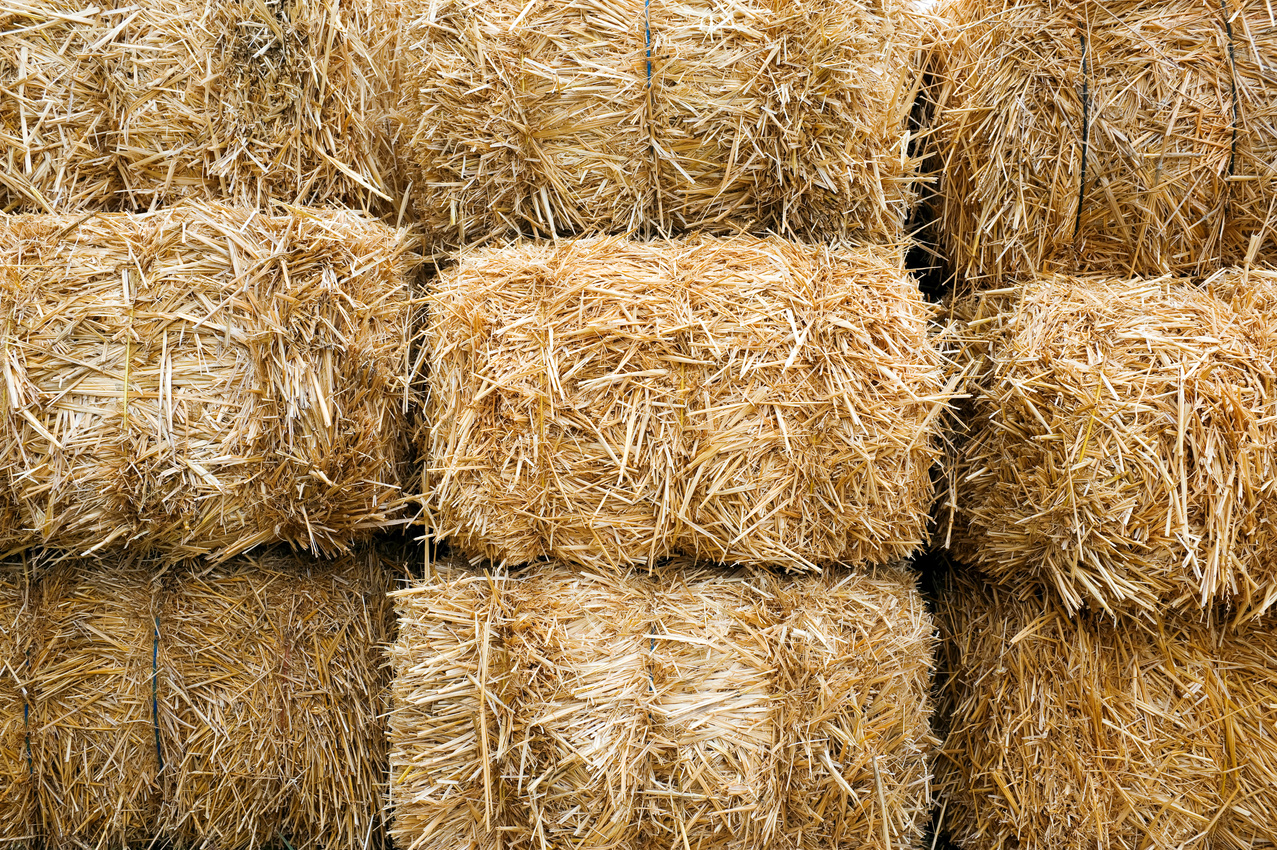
{"x": 679, "y": 709}
{"x": 568, "y": 118}
{"x": 126, "y": 106}
{"x": 93, "y": 734}
{"x": 201, "y": 380}
{"x": 604, "y": 402}
{"x": 1122, "y": 439}
{"x": 1124, "y": 138}
{"x": 17, "y": 786}
{"x": 1084, "y": 731}
{"x": 276, "y": 691}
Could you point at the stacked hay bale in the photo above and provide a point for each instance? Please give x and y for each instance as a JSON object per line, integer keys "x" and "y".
{"x": 608, "y": 403}
{"x": 1114, "y": 137}
{"x": 1121, "y": 442}
{"x": 575, "y": 118}
{"x": 126, "y": 107}
{"x": 231, "y": 707}
{"x": 689, "y": 708}
{"x": 201, "y": 380}
{"x": 1078, "y": 731}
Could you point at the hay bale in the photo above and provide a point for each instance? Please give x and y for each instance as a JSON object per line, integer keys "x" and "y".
{"x": 95, "y": 743}
{"x": 1082, "y": 732}
{"x": 683, "y": 708}
{"x": 274, "y": 680}
{"x": 1115, "y": 137}
{"x": 1121, "y": 442}
{"x": 120, "y": 106}
{"x": 201, "y": 380}
{"x": 569, "y": 118}
{"x": 604, "y": 402}
{"x": 17, "y": 785}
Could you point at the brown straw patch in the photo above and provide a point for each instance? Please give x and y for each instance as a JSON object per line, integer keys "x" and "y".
{"x": 201, "y": 380}
{"x": 574, "y": 117}
{"x": 605, "y": 402}
{"x": 275, "y": 683}
{"x": 1116, "y": 137}
{"x": 1090, "y": 732}
{"x": 93, "y": 729}
{"x": 17, "y": 785}
{"x": 130, "y": 106}
{"x": 1120, "y": 440}
{"x": 684, "y": 708}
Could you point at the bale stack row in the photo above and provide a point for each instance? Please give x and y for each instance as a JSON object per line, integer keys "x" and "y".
{"x": 691, "y": 708}
{"x": 1107, "y": 188}
{"x": 204, "y": 707}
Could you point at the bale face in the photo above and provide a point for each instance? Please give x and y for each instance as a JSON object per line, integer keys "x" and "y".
{"x": 17, "y": 785}
{"x": 609, "y": 403}
{"x": 1123, "y": 138}
{"x": 202, "y": 380}
{"x": 94, "y": 735}
{"x": 275, "y": 697}
{"x": 450, "y": 717}
{"x": 1120, "y": 441}
{"x": 1089, "y": 732}
{"x": 557, "y": 118}
{"x": 714, "y": 664}
{"x": 684, "y": 709}
{"x": 120, "y": 107}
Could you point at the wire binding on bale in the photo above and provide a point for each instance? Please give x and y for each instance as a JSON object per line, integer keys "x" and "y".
{"x": 123, "y": 106}
{"x": 1123, "y": 138}
{"x": 604, "y": 402}
{"x": 1120, "y": 442}
{"x": 1083, "y": 731}
{"x": 570, "y": 118}
{"x": 685, "y": 708}
{"x": 201, "y": 380}
{"x": 232, "y": 707}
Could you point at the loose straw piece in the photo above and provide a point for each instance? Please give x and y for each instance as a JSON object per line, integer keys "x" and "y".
{"x": 201, "y": 380}
{"x": 1121, "y": 442}
{"x": 606, "y": 402}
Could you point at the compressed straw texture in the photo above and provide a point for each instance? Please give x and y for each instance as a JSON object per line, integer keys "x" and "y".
{"x": 1082, "y": 732}
{"x": 226, "y": 708}
{"x": 687, "y": 709}
{"x": 125, "y": 106}
{"x": 576, "y": 117}
{"x": 1121, "y": 445}
{"x": 605, "y": 402}
{"x": 201, "y": 380}
{"x": 17, "y": 788}
{"x": 1124, "y": 138}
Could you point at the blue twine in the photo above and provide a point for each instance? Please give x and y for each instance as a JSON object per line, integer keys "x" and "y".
{"x": 647, "y": 32}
